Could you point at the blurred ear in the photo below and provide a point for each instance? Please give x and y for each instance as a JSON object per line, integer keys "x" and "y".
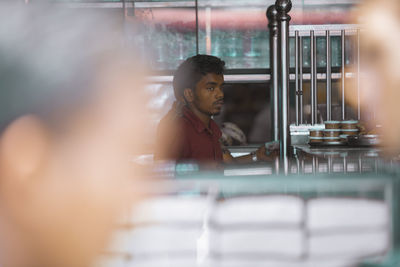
{"x": 188, "y": 95}
{"x": 23, "y": 147}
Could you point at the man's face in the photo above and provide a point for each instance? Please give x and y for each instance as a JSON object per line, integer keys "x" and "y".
{"x": 209, "y": 95}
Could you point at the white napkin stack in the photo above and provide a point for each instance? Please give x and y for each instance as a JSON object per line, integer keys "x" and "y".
{"x": 272, "y": 243}
{"x": 349, "y": 245}
{"x": 334, "y": 213}
{"x": 284, "y": 263}
{"x": 268, "y": 230}
{"x": 164, "y": 262}
{"x": 171, "y": 209}
{"x": 347, "y": 228}
{"x": 266, "y": 226}
{"x": 264, "y": 210}
{"x": 159, "y": 239}
{"x": 166, "y": 231}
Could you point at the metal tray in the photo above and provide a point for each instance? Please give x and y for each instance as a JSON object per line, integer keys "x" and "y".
{"x": 363, "y": 140}
{"x": 328, "y": 144}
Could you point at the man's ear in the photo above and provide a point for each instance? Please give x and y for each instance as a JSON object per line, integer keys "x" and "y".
{"x": 23, "y": 147}
{"x": 188, "y": 95}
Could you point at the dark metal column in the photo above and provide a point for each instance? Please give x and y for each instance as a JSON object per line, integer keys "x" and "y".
{"x": 313, "y": 79}
{"x": 328, "y": 77}
{"x": 301, "y": 78}
{"x": 272, "y": 14}
{"x": 358, "y": 76}
{"x": 283, "y": 7}
{"x": 343, "y": 74}
{"x": 197, "y": 26}
{"x": 296, "y": 58}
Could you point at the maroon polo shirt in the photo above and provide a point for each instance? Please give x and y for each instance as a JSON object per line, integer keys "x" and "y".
{"x": 186, "y": 137}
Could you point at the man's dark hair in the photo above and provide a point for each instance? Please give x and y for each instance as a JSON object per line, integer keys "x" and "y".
{"x": 190, "y": 72}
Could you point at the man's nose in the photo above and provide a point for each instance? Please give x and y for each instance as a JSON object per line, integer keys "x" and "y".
{"x": 220, "y": 93}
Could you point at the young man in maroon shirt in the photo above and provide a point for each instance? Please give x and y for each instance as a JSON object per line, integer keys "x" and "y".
{"x": 188, "y": 131}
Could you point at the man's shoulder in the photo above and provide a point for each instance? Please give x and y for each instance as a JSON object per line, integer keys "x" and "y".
{"x": 170, "y": 118}
{"x": 174, "y": 124}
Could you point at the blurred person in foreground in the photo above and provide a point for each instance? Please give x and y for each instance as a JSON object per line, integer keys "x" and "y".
{"x": 70, "y": 100}
{"x": 188, "y": 131}
{"x": 380, "y": 56}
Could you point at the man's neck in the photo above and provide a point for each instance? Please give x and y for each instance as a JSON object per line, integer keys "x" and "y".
{"x": 203, "y": 117}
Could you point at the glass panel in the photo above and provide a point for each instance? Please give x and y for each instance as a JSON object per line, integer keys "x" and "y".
{"x": 238, "y": 35}
{"x": 235, "y": 30}
{"x": 336, "y": 47}
{"x": 167, "y": 35}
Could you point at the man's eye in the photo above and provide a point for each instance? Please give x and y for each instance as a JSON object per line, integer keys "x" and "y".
{"x": 210, "y": 88}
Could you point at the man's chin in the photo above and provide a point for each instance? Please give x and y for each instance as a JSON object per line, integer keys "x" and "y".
{"x": 216, "y": 113}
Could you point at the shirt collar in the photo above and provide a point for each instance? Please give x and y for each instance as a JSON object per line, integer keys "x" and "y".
{"x": 199, "y": 125}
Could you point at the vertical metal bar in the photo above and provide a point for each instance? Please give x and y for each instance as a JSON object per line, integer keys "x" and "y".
{"x": 276, "y": 166}
{"x": 283, "y": 7}
{"x": 197, "y": 26}
{"x": 272, "y": 14}
{"x": 315, "y": 80}
{"x": 296, "y": 56}
{"x": 124, "y": 12}
{"x": 208, "y": 30}
{"x": 314, "y": 165}
{"x": 343, "y": 75}
{"x": 301, "y": 78}
{"x": 328, "y": 77}
{"x": 298, "y": 165}
{"x": 312, "y": 48}
{"x": 358, "y": 76}
{"x": 330, "y": 163}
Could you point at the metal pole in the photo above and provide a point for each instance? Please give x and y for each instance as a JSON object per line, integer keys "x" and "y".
{"x": 328, "y": 77}
{"x": 330, "y": 159}
{"x": 358, "y": 76}
{"x": 312, "y": 48}
{"x": 272, "y": 14}
{"x": 283, "y": 7}
{"x": 314, "y": 165}
{"x": 123, "y": 10}
{"x": 297, "y": 74}
{"x": 315, "y": 81}
{"x": 343, "y": 75}
{"x": 301, "y": 79}
{"x": 197, "y": 26}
